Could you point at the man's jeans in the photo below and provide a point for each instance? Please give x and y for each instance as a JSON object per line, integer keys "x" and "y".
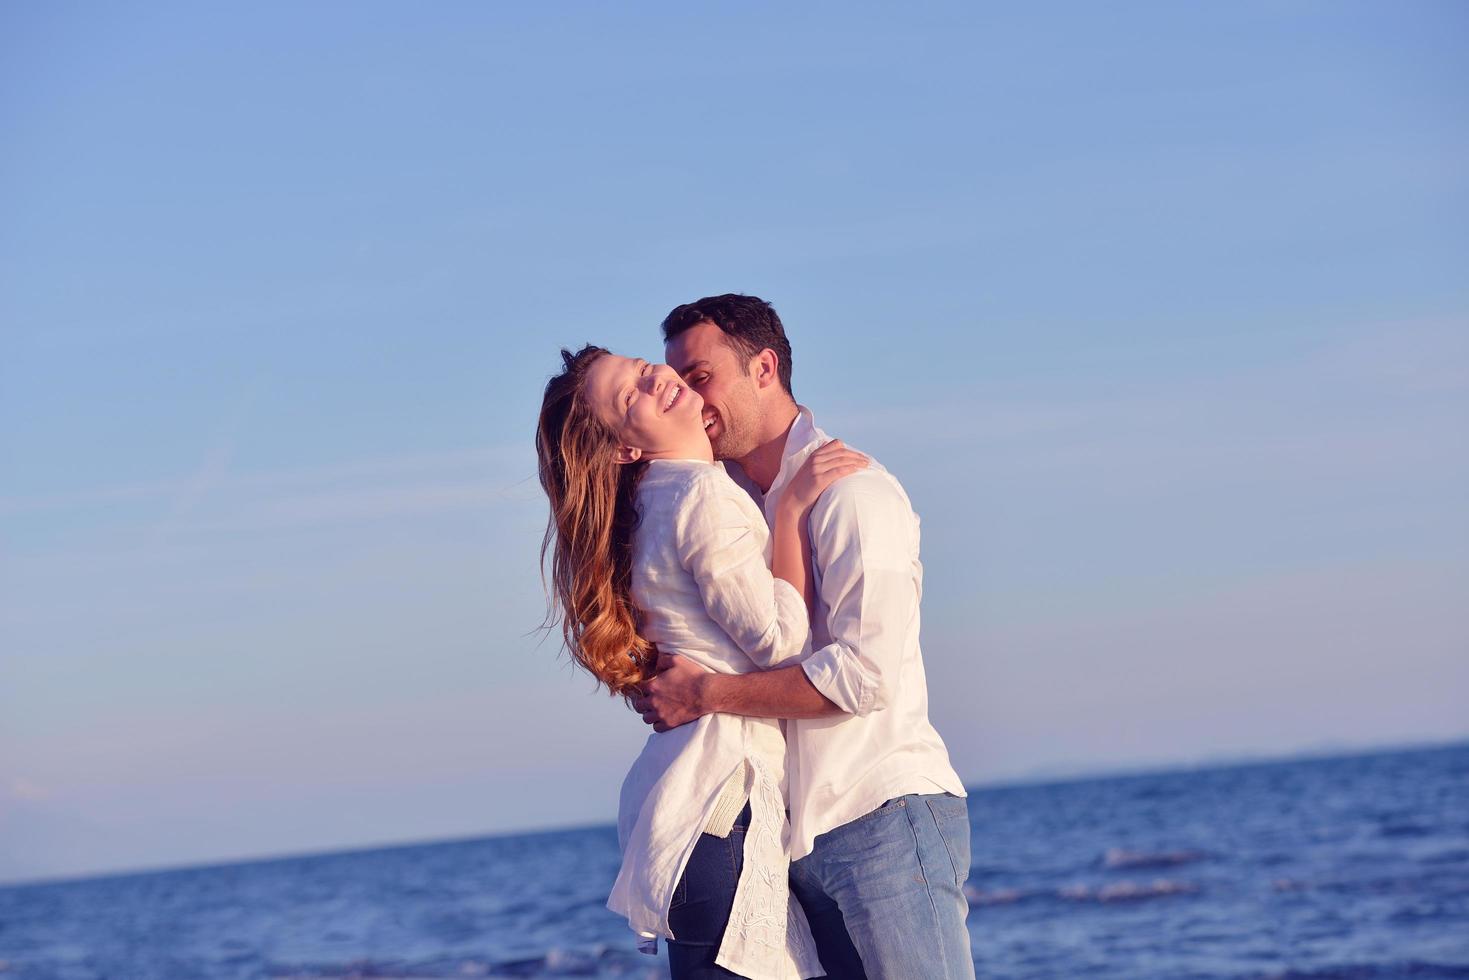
{"x": 885, "y": 893}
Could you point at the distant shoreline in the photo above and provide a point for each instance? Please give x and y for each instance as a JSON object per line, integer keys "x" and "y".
{"x": 1040, "y": 777}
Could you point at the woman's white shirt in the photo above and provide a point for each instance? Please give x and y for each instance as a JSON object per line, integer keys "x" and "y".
{"x": 702, "y": 583}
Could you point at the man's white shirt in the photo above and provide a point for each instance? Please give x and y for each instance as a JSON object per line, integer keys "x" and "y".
{"x": 864, "y": 654}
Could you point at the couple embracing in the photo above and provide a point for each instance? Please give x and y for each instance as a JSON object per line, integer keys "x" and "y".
{"x": 752, "y": 586}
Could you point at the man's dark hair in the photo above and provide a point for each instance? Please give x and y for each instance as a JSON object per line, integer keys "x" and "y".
{"x": 750, "y": 323}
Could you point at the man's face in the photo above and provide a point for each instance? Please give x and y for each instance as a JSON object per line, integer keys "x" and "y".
{"x": 718, "y": 372}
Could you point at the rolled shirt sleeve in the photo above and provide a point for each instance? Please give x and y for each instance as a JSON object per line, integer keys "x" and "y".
{"x": 721, "y": 537}
{"x": 864, "y": 547}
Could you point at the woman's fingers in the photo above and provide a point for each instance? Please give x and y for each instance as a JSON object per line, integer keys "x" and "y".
{"x": 834, "y": 450}
{"x": 834, "y": 471}
{"x": 826, "y": 464}
{"x": 845, "y": 459}
{"x": 841, "y": 471}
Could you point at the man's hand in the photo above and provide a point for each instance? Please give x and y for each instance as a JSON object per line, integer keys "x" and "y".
{"x": 674, "y": 696}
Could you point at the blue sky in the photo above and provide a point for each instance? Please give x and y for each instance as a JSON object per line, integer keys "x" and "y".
{"x": 1158, "y": 311}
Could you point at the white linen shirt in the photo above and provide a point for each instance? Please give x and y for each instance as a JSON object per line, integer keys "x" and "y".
{"x": 865, "y": 657}
{"x": 702, "y": 584}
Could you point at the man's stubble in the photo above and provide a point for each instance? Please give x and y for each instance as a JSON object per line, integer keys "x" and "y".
{"x": 739, "y": 424}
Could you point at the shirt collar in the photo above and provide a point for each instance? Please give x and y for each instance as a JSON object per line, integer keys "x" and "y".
{"x": 802, "y": 439}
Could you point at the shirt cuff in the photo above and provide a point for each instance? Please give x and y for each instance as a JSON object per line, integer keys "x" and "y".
{"x": 844, "y": 688}
{"x": 789, "y": 598}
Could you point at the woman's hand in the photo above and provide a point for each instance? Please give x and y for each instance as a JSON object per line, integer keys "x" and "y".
{"x": 821, "y": 469}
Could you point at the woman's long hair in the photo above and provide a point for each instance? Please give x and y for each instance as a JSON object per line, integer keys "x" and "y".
{"x": 589, "y": 534}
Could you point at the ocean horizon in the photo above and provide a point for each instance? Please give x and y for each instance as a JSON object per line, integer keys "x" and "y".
{"x": 1044, "y": 775}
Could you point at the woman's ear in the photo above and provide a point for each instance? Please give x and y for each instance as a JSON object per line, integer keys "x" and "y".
{"x": 628, "y": 454}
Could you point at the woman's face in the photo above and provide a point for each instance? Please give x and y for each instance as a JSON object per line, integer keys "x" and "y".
{"x": 647, "y": 405}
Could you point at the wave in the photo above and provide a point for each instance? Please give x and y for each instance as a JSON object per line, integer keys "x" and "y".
{"x": 1129, "y": 891}
{"x": 1121, "y": 891}
{"x": 1376, "y": 971}
{"x": 1121, "y": 858}
{"x": 1406, "y": 829}
{"x": 998, "y": 896}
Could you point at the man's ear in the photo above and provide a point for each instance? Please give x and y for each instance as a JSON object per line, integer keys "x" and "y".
{"x": 628, "y": 454}
{"x": 766, "y": 368}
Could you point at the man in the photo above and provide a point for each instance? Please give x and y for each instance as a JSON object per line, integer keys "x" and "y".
{"x": 879, "y": 824}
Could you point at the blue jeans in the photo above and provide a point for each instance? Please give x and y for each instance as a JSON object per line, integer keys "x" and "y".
{"x": 885, "y": 893}
{"x": 702, "y": 901}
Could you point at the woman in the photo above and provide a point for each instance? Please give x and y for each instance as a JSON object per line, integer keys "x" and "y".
{"x": 653, "y": 545}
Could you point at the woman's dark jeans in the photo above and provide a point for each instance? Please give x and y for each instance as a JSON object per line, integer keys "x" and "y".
{"x": 702, "y": 901}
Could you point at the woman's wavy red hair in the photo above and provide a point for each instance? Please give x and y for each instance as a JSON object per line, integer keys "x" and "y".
{"x": 589, "y": 533}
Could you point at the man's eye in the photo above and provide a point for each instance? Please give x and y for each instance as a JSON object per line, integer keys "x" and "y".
{"x": 698, "y": 379}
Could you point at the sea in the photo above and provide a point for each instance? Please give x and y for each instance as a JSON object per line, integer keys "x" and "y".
{"x": 1350, "y": 867}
